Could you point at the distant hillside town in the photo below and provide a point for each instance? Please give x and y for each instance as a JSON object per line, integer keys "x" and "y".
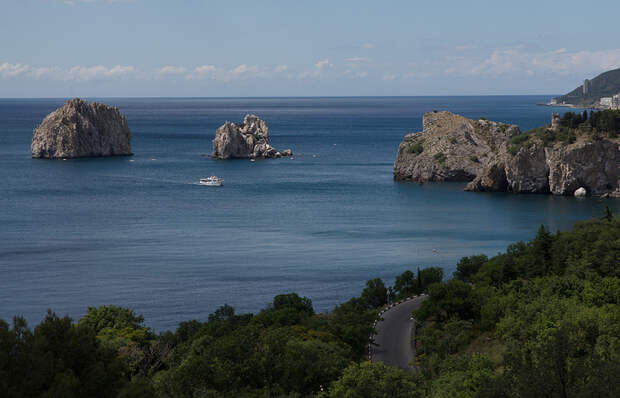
{"x": 602, "y": 92}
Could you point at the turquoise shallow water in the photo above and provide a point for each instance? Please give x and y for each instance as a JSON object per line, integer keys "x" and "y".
{"x": 143, "y": 234}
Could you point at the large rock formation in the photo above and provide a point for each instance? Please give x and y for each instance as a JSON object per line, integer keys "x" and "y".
{"x": 451, "y": 148}
{"x": 250, "y": 139}
{"x": 497, "y": 157}
{"x": 79, "y": 129}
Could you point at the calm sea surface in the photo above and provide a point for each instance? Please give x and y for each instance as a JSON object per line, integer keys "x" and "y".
{"x": 143, "y": 234}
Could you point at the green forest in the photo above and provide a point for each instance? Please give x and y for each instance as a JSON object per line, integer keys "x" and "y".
{"x": 593, "y": 126}
{"x": 541, "y": 319}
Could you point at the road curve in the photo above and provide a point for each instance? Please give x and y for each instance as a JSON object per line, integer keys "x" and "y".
{"x": 394, "y": 335}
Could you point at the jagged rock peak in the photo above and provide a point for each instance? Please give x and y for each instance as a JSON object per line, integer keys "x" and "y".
{"x": 248, "y": 139}
{"x": 82, "y": 129}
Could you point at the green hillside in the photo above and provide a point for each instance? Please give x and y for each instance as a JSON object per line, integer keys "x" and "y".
{"x": 604, "y": 85}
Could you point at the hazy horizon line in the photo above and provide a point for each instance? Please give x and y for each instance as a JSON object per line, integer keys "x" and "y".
{"x": 292, "y": 96}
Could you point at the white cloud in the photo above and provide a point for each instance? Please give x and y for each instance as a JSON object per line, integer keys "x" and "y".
{"x": 519, "y": 61}
{"x": 323, "y": 64}
{"x": 242, "y": 69}
{"x": 84, "y": 73}
{"x": 466, "y": 47}
{"x": 499, "y": 62}
{"x": 12, "y": 70}
{"x": 73, "y": 73}
{"x": 239, "y": 72}
{"x": 172, "y": 70}
{"x": 97, "y": 72}
{"x": 390, "y": 76}
{"x": 73, "y": 2}
{"x": 202, "y": 72}
{"x": 357, "y": 59}
{"x": 369, "y": 45}
{"x": 355, "y": 74}
{"x": 319, "y": 68}
{"x": 43, "y": 72}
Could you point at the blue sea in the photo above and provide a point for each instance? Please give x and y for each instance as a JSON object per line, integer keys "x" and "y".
{"x": 144, "y": 234}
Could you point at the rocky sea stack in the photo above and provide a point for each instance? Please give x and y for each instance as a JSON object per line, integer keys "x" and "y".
{"x": 79, "y": 129}
{"x": 498, "y": 157}
{"x": 250, "y": 139}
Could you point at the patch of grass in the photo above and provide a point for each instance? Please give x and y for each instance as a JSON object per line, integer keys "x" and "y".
{"x": 440, "y": 157}
{"x": 416, "y": 148}
{"x": 453, "y": 140}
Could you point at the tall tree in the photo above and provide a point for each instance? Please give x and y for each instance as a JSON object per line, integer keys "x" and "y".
{"x": 375, "y": 293}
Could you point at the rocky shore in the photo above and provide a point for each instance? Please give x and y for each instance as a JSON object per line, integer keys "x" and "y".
{"x": 485, "y": 154}
{"x": 249, "y": 139}
{"x": 79, "y": 129}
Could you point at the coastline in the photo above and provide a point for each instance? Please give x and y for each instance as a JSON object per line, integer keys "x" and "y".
{"x": 570, "y": 106}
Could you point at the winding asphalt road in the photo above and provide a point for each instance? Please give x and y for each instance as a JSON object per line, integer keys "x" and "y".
{"x": 395, "y": 334}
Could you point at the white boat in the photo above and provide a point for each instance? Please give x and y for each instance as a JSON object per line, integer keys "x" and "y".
{"x": 212, "y": 181}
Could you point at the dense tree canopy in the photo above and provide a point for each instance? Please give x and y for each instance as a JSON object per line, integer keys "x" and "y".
{"x": 56, "y": 359}
{"x": 542, "y": 319}
{"x": 371, "y": 380}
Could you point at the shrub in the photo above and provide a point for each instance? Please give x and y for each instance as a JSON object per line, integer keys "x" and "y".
{"x": 416, "y": 148}
{"x": 440, "y": 157}
{"x": 517, "y": 142}
{"x": 474, "y": 158}
{"x": 520, "y": 139}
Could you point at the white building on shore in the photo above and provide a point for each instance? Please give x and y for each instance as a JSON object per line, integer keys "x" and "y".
{"x": 612, "y": 102}
{"x": 605, "y": 102}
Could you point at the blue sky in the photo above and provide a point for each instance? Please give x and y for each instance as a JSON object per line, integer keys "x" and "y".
{"x": 56, "y": 48}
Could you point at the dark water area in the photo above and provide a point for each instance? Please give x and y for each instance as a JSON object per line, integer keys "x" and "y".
{"x": 144, "y": 234}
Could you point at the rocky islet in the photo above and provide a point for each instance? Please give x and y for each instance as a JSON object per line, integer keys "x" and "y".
{"x": 248, "y": 139}
{"x": 80, "y": 129}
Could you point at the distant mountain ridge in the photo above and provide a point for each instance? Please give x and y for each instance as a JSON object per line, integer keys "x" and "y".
{"x": 604, "y": 85}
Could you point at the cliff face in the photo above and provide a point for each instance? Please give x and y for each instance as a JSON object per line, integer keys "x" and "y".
{"x": 476, "y": 151}
{"x": 79, "y": 129}
{"x": 592, "y": 165}
{"x": 451, "y": 148}
{"x": 250, "y": 139}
